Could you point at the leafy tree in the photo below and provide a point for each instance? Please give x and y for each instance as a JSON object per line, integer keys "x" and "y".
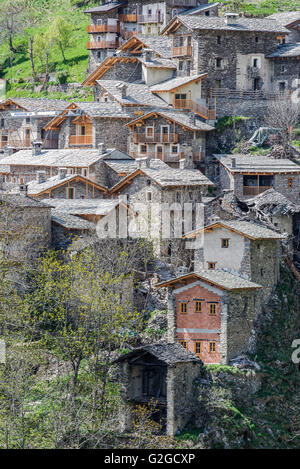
{"x": 62, "y": 34}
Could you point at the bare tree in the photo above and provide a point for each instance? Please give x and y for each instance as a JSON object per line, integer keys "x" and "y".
{"x": 283, "y": 115}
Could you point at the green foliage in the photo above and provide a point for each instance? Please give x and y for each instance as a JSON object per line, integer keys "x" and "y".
{"x": 228, "y": 121}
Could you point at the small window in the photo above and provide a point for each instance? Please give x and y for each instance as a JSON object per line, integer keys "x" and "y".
{"x": 290, "y": 183}
{"x": 207, "y": 13}
{"x": 212, "y": 347}
{"x": 255, "y": 62}
{"x": 225, "y": 243}
{"x": 211, "y": 265}
{"x": 183, "y": 343}
{"x": 71, "y": 192}
{"x": 183, "y": 307}
{"x": 174, "y": 149}
{"x": 143, "y": 149}
{"x": 149, "y": 196}
{"x": 149, "y": 131}
{"x": 261, "y": 272}
{"x": 198, "y": 347}
{"x": 218, "y": 39}
{"x": 219, "y": 62}
{"x": 180, "y": 65}
{"x": 148, "y": 182}
{"x": 256, "y": 38}
{"x": 198, "y": 306}
{"x": 27, "y": 120}
{"x": 212, "y": 309}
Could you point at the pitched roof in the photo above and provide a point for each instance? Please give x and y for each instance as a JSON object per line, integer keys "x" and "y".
{"x": 218, "y": 23}
{"x": 245, "y": 228}
{"x": 83, "y": 206}
{"x": 180, "y": 117}
{"x": 169, "y": 353}
{"x": 19, "y": 200}
{"x": 162, "y": 46}
{"x": 177, "y": 82}
{"x": 285, "y": 17}
{"x": 108, "y": 6}
{"x": 158, "y": 62}
{"x": 38, "y": 104}
{"x": 274, "y": 202}
{"x": 219, "y": 278}
{"x": 36, "y": 188}
{"x": 136, "y": 94}
{"x": 70, "y": 222}
{"x": 290, "y": 49}
{"x": 165, "y": 176}
{"x": 200, "y": 8}
{"x": 257, "y": 164}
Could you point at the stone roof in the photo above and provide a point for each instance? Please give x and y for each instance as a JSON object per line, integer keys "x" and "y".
{"x": 181, "y": 118}
{"x": 285, "y": 17}
{"x": 158, "y": 62}
{"x": 82, "y": 206}
{"x": 176, "y": 82}
{"x": 274, "y": 202}
{"x": 41, "y": 104}
{"x": 56, "y": 158}
{"x": 199, "y": 9}
{"x": 290, "y": 49}
{"x": 122, "y": 166}
{"x": 35, "y": 188}
{"x": 70, "y": 222}
{"x": 245, "y": 228}
{"x": 19, "y": 200}
{"x": 169, "y": 353}
{"x": 103, "y": 110}
{"x": 137, "y": 94}
{"x": 219, "y": 278}
{"x": 257, "y": 164}
{"x": 159, "y": 44}
{"x": 218, "y": 23}
{"x": 106, "y": 7}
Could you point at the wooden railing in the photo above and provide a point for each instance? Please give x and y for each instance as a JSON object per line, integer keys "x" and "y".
{"x": 197, "y": 108}
{"x": 128, "y": 18}
{"x": 244, "y": 94}
{"x": 167, "y": 157}
{"x": 102, "y": 45}
{"x": 155, "y": 138}
{"x": 80, "y": 140}
{"x": 157, "y": 18}
{"x": 254, "y": 190}
{"x": 181, "y": 51}
{"x": 103, "y": 28}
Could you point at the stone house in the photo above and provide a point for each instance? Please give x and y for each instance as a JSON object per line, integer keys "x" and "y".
{"x": 291, "y": 21}
{"x": 26, "y": 224}
{"x": 23, "y": 120}
{"x": 285, "y": 65}
{"x": 86, "y": 125}
{"x": 169, "y": 135}
{"x": 241, "y": 247}
{"x": 164, "y": 373}
{"x": 211, "y": 313}
{"x": 231, "y": 49}
{"x": 248, "y": 176}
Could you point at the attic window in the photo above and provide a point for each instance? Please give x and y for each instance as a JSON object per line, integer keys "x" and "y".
{"x": 218, "y": 62}
{"x": 211, "y": 265}
{"x": 225, "y": 243}
{"x": 183, "y": 307}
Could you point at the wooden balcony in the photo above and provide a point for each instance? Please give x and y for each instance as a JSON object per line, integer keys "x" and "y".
{"x": 103, "y": 28}
{"x": 203, "y": 111}
{"x": 254, "y": 190}
{"x": 167, "y": 157}
{"x": 157, "y": 18}
{"x": 128, "y": 18}
{"x": 102, "y": 45}
{"x": 155, "y": 138}
{"x": 80, "y": 140}
{"x": 182, "y": 51}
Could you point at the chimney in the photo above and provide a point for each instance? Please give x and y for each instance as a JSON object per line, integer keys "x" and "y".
{"x": 102, "y": 148}
{"x": 8, "y": 150}
{"x": 41, "y": 177}
{"x": 62, "y": 173}
{"x": 36, "y": 147}
{"x": 23, "y": 188}
{"x": 233, "y": 162}
{"x": 231, "y": 18}
{"x": 182, "y": 163}
{"x": 143, "y": 162}
{"x": 192, "y": 118}
{"x": 123, "y": 89}
{"x": 148, "y": 55}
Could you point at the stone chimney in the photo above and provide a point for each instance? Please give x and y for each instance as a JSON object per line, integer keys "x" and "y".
{"x": 143, "y": 162}
{"x": 183, "y": 163}
{"x": 101, "y": 148}
{"x": 8, "y": 150}
{"x": 123, "y": 88}
{"x": 148, "y": 55}
{"x": 233, "y": 162}
{"x": 192, "y": 118}
{"x": 23, "y": 188}
{"x": 36, "y": 147}
{"x": 231, "y": 18}
{"x": 40, "y": 177}
{"x": 62, "y": 173}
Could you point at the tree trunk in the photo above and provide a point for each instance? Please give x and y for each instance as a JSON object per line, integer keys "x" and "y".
{"x": 32, "y": 58}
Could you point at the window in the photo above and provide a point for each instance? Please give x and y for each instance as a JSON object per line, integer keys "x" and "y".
{"x": 148, "y": 182}
{"x": 261, "y": 272}
{"x": 282, "y": 68}
{"x": 84, "y": 172}
{"x": 212, "y": 347}
{"x": 198, "y": 347}
{"x": 149, "y": 196}
{"x": 180, "y": 65}
{"x": 181, "y": 41}
{"x": 143, "y": 148}
{"x": 27, "y": 120}
{"x": 212, "y": 309}
{"x": 71, "y": 192}
{"x": 282, "y": 86}
{"x": 189, "y": 40}
{"x": 255, "y": 62}
{"x": 174, "y": 149}
{"x": 256, "y": 38}
{"x": 183, "y": 307}
{"x": 290, "y": 183}
{"x": 218, "y": 39}
{"x": 198, "y": 306}
{"x": 219, "y": 62}
{"x": 224, "y": 243}
{"x": 207, "y": 13}
{"x": 149, "y": 131}
{"x": 211, "y": 265}
{"x": 184, "y": 344}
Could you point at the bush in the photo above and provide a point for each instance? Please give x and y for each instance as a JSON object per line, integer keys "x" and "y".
{"x": 62, "y": 76}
